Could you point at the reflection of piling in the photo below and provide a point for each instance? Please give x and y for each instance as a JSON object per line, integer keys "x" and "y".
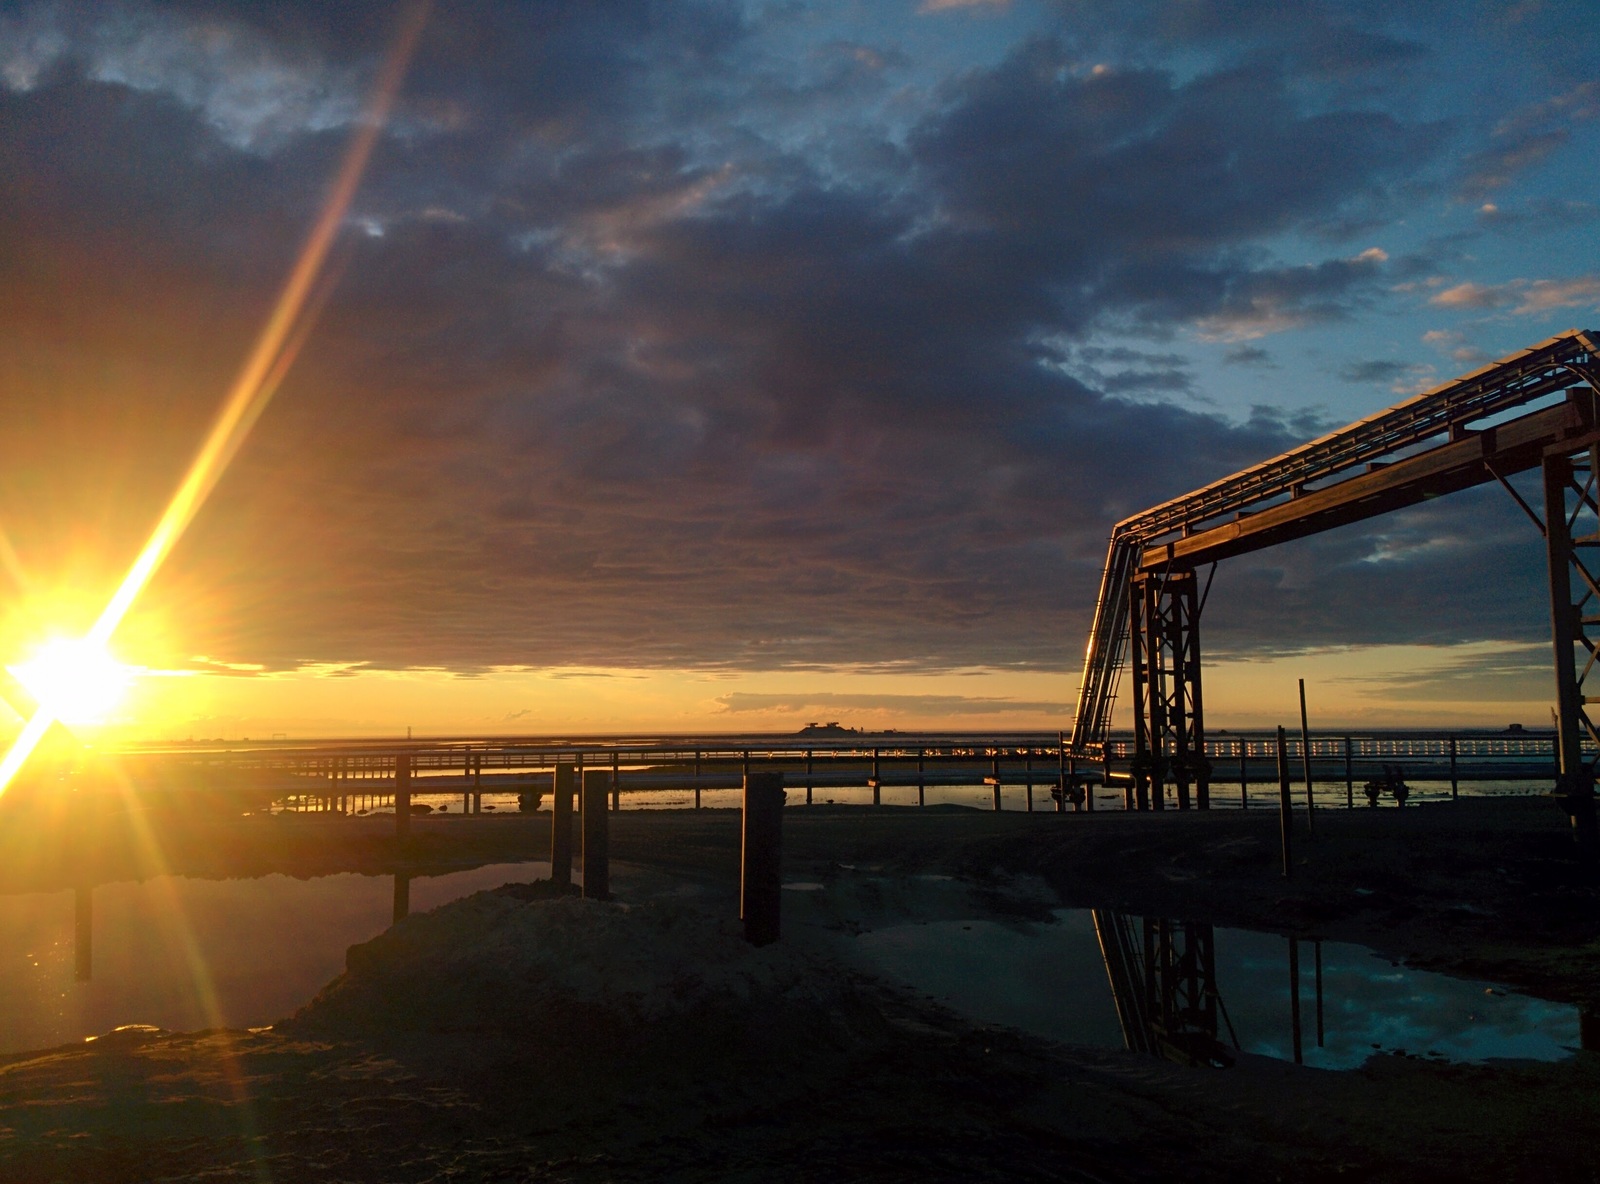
{"x": 1285, "y": 807}
{"x": 402, "y": 795}
{"x": 561, "y": 824}
{"x": 1294, "y": 998}
{"x": 596, "y": 837}
{"x": 1316, "y": 949}
{"x": 83, "y": 932}
{"x": 402, "y": 896}
{"x": 760, "y": 866}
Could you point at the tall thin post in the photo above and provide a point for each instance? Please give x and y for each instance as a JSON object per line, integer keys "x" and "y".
{"x": 922, "y": 789}
{"x": 697, "y": 779}
{"x": 809, "y": 754}
{"x": 1455, "y": 785}
{"x": 1316, "y": 948}
{"x": 562, "y": 785}
{"x": 1305, "y": 760}
{"x": 1574, "y": 777}
{"x": 1285, "y": 805}
{"x": 83, "y": 932}
{"x": 1244, "y": 775}
{"x": 1027, "y": 775}
{"x": 761, "y": 858}
{"x": 596, "y": 824}
{"x": 1349, "y": 776}
{"x": 994, "y": 769}
{"x": 616, "y": 785}
{"x": 477, "y": 783}
{"x": 402, "y": 795}
{"x": 877, "y": 795}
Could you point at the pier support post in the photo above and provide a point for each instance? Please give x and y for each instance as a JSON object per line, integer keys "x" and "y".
{"x": 561, "y": 824}
{"x": 1349, "y": 777}
{"x": 761, "y": 862}
{"x": 477, "y": 783}
{"x": 596, "y": 836}
{"x": 1305, "y": 761}
{"x": 402, "y": 795}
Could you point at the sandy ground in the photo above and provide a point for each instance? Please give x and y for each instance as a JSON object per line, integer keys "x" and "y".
{"x": 450, "y": 1051}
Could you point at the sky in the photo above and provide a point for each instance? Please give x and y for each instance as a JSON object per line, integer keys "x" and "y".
{"x": 717, "y": 366}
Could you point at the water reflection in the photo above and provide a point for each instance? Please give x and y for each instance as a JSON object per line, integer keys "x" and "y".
{"x": 185, "y": 954}
{"x": 1197, "y": 994}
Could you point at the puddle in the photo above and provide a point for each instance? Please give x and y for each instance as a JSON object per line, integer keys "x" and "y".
{"x": 183, "y": 954}
{"x": 1198, "y": 995}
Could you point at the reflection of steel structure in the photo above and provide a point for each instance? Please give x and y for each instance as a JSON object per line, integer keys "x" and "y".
{"x": 1164, "y": 985}
{"x": 1450, "y": 438}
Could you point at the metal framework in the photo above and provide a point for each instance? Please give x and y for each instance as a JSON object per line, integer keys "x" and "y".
{"x": 1447, "y": 439}
{"x": 1164, "y": 985}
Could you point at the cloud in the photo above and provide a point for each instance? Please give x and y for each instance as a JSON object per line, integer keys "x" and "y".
{"x": 1523, "y": 297}
{"x": 952, "y": 5}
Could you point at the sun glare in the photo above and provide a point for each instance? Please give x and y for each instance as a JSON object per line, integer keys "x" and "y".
{"x": 77, "y": 682}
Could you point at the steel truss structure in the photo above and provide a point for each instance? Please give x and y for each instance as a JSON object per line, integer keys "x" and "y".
{"x": 1450, "y": 438}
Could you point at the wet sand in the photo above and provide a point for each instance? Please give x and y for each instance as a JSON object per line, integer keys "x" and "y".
{"x": 871, "y": 1082}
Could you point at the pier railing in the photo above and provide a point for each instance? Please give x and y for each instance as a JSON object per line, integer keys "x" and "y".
{"x": 1037, "y": 769}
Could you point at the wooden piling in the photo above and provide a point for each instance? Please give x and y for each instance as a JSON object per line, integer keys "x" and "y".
{"x": 1305, "y": 760}
{"x": 877, "y": 794}
{"x": 1061, "y": 755}
{"x": 1244, "y": 775}
{"x": 562, "y": 783}
{"x": 1285, "y": 805}
{"x": 760, "y": 862}
{"x": 616, "y": 787}
{"x": 809, "y": 754}
{"x": 83, "y": 932}
{"x": 477, "y": 783}
{"x": 1349, "y": 776}
{"x": 1027, "y": 775}
{"x": 402, "y": 795}
{"x": 1455, "y": 785}
{"x": 697, "y": 779}
{"x": 994, "y": 768}
{"x": 922, "y": 788}
{"x": 596, "y": 836}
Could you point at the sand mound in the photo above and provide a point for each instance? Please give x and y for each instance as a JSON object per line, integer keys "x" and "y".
{"x": 493, "y": 961}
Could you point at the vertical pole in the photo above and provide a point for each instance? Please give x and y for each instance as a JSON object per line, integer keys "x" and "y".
{"x": 561, "y": 824}
{"x": 1285, "y": 806}
{"x": 402, "y": 795}
{"x": 596, "y": 826}
{"x": 697, "y": 779}
{"x": 1244, "y": 775}
{"x": 1027, "y": 775}
{"x": 922, "y": 791}
{"x": 616, "y": 787}
{"x": 1349, "y": 777}
{"x": 1294, "y": 998}
{"x": 402, "y": 896}
{"x": 1061, "y": 751}
{"x": 1139, "y": 793}
{"x": 83, "y": 932}
{"x": 760, "y": 862}
{"x": 1455, "y": 785}
{"x": 877, "y": 796}
{"x": 994, "y": 769}
{"x": 1305, "y": 760}
{"x": 810, "y": 752}
{"x": 466, "y": 783}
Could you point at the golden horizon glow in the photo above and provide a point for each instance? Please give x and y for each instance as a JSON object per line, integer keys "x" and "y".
{"x": 269, "y": 360}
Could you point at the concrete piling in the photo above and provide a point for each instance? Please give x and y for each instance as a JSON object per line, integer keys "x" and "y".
{"x": 761, "y": 863}
{"x": 596, "y": 835}
{"x": 563, "y": 782}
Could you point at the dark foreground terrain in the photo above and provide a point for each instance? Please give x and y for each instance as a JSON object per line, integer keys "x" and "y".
{"x": 502, "y": 1038}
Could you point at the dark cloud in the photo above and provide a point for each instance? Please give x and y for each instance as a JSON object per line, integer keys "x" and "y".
{"x": 621, "y": 373}
{"x": 1379, "y": 370}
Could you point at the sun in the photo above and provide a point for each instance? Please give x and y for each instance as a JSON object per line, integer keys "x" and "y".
{"x": 78, "y": 682}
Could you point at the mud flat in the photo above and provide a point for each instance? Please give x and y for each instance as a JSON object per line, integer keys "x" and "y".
{"x": 502, "y": 1038}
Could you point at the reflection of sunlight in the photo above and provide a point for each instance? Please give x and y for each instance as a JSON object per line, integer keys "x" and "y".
{"x": 78, "y": 682}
